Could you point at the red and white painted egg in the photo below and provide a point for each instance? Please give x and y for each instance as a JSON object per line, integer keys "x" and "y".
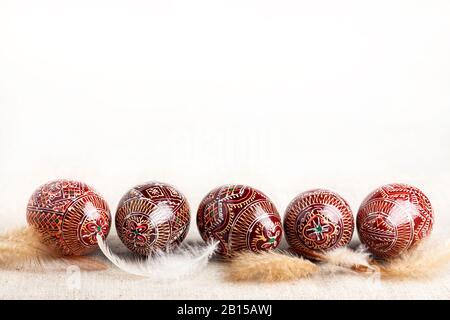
{"x": 152, "y": 217}
{"x": 68, "y": 215}
{"x": 240, "y": 218}
{"x": 394, "y": 218}
{"x": 316, "y": 221}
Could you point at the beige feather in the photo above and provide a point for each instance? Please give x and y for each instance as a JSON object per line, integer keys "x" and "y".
{"x": 22, "y": 248}
{"x": 274, "y": 266}
{"x": 428, "y": 259}
{"x": 268, "y": 266}
{"x": 348, "y": 259}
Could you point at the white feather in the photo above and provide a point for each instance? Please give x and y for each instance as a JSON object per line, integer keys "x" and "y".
{"x": 163, "y": 265}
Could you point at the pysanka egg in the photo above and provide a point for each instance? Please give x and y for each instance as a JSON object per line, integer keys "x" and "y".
{"x": 316, "y": 221}
{"x": 239, "y": 218}
{"x": 151, "y": 217}
{"x": 394, "y": 218}
{"x": 68, "y": 215}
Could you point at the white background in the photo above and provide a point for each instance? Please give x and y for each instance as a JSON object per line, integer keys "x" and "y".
{"x": 282, "y": 95}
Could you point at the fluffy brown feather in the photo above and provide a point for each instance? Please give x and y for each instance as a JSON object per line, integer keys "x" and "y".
{"x": 22, "y": 248}
{"x": 269, "y": 267}
{"x": 428, "y": 259}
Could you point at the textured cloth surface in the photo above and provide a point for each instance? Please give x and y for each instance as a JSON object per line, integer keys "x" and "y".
{"x": 114, "y": 284}
{"x": 209, "y": 284}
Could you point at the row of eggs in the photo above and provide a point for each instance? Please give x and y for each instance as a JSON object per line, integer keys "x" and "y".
{"x": 155, "y": 216}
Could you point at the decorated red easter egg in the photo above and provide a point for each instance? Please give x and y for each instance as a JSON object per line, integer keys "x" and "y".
{"x": 239, "y": 218}
{"x": 68, "y": 215}
{"x": 151, "y": 217}
{"x": 394, "y": 218}
{"x": 316, "y": 221}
